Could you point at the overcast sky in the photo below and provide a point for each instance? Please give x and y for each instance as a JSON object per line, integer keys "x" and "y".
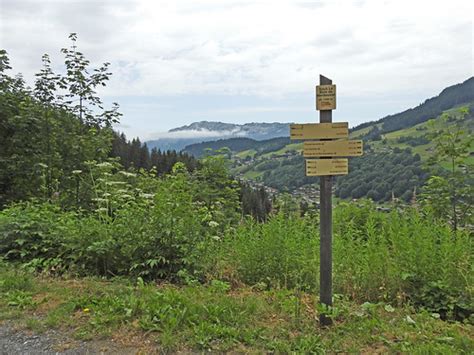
{"x": 177, "y": 62}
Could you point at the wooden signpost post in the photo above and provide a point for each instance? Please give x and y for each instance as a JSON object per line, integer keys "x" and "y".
{"x": 326, "y": 140}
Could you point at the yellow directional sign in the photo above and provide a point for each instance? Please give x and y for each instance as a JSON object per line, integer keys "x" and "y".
{"x": 320, "y": 167}
{"x": 338, "y": 148}
{"x": 326, "y": 97}
{"x": 319, "y": 130}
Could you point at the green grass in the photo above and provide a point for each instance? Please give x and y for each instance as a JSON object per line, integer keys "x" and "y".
{"x": 362, "y": 131}
{"x": 425, "y": 128}
{"x": 218, "y": 317}
{"x": 252, "y": 174}
{"x": 246, "y": 153}
{"x": 285, "y": 149}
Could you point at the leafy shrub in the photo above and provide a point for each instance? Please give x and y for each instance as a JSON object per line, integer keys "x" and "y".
{"x": 443, "y": 299}
{"x": 29, "y": 232}
{"x": 129, "y": 232}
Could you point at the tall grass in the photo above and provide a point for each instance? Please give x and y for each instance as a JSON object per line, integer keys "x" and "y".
{"x": 394, "y": 257}
{"x": 282, "y": 253}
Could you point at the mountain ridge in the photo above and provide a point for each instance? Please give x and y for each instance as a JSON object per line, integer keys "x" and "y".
{"x": 206, "y": 131}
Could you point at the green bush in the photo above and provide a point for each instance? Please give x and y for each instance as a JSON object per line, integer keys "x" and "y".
{"x": 154, "y": 235}
{"x": 30, "y": 231}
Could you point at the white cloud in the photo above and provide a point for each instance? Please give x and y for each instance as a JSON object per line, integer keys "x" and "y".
{"x": 265, "y": 48}
{"x": 255, "y": 109}
{"x": 202, "y": 133}
{"x": 376, "y": 51}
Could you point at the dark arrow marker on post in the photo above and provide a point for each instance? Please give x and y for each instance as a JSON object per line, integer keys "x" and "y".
{"x": 325, "y": 227}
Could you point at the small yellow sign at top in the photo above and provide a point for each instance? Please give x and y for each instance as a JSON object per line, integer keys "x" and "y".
{"x": 325, "y": 97}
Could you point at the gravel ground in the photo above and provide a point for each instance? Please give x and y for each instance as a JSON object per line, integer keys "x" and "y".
{"x": 13, "y": 341}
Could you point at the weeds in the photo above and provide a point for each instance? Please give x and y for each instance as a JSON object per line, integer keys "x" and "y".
{"x": 398, "y": 258}
{"x": 217, "y": 318}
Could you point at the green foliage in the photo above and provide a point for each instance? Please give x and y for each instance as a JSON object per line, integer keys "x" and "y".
{"x": 444, "y": 300}
{"x": 81, "y": 88}
{"x": 216, "y": 189}
{"x": 379, "y": 175}
{"x": 449, "y": 193}
{"x": 280, "y": 253}
{"x": 400, "y": 256}
{"x": 134, "y": 154}
{"x": 413, "y": 141}
{"x": 19, "y": 299}
{"x": 45, "y": 134}
{"x": 288, "y": 175}
{"x": 373, "y": 135}
{"x": 139, "y": 225}
{"x": 255, "y": 202}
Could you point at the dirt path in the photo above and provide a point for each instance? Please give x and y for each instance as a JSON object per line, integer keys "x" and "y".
{"x": 14, "y": 341}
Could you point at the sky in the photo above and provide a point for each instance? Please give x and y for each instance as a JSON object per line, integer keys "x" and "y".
{"x": 178, "y": 62}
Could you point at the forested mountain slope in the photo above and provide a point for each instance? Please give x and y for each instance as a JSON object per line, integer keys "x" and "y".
{"x": 450, "y": 97}
{"x": 394, "y": 163}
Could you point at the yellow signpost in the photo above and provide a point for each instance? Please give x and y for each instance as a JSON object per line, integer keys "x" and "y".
{"x": 337, "y": 148}
{"x": 322, "y": 167}
{"x": 326, "y": 140}
{"x": 319, "y": 130}
{"x": 326, "y": 97}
